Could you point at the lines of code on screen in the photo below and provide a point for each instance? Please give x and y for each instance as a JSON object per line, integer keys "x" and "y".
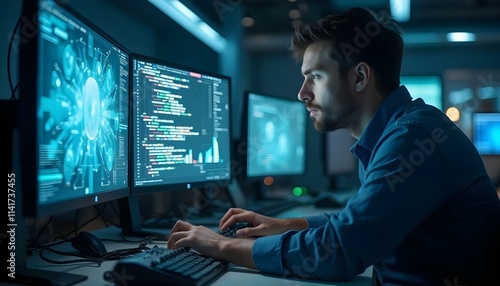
{"x": 181, "y": 125}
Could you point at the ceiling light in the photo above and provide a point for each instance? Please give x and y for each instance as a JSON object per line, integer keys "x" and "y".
{"x": 460, "y": 37}
{"x": 192, "y": 23}
{"x": 400, "y": 10}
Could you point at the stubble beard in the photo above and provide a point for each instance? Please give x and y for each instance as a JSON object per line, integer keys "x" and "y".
{"x": 326, "y": 122}
{"x": 320, "y": 123}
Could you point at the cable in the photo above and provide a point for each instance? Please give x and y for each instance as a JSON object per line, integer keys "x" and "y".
{"x": 76, "y": 231}
{"x": 83, "y": 259}
{"x": 12, "y": 89}
{"x": 112, "y": 255}
{"x": 13, "y": 94}
{"x": 33, "y": 239}
{"x": 103, "y": 217}
{"x": 42, "y": 229}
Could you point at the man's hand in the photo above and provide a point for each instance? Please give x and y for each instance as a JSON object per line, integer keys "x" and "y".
{"x": 211, "y": 244}
{"x": 200, "y": 238}
{"x": 260, "y": 225}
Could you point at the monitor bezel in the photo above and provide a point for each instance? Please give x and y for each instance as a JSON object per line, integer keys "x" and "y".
{"x": 473, "y": 131}
{"x": 183, "y": 186}
{"x": 243, "y": 146}
{"x": 27, "y": 116}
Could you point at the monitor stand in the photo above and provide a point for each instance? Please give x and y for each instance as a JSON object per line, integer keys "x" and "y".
{"x": 131, "y": 219}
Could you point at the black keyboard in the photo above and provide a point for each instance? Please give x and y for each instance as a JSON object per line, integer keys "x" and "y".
{"x": 160, "y": 265}
{"x": 231, "y": 231}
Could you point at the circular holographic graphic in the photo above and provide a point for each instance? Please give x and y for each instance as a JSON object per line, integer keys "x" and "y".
{"x": 91, "y": 108}
{"x": 79, "y": 113}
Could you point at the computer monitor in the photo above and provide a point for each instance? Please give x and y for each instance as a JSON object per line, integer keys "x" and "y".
{"x": 74, "y": 101}
{"x": 274, "y": 133}
{"x": 486, "y": 133}
{"x": 73, "y": 113}
{"x": 427, "y": 87}
{"x": 181, "y": 126}
{"x": 341, "y": 166}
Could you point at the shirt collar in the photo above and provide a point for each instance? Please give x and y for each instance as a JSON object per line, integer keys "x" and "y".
{"x": 364, "y": 145}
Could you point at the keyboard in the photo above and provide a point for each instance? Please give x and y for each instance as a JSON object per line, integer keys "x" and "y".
{"x": 160, "y": 265}
{"x": 231, "y": 231}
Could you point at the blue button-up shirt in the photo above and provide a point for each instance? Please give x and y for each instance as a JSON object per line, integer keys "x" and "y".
{"x": 426, "y": 210}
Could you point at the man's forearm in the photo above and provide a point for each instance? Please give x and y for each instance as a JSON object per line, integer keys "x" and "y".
{"x": 296, "y": 224}
{"x": 238, "y": 251}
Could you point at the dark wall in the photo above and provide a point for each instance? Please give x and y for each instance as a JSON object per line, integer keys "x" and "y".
{"x": 435, "y": 60}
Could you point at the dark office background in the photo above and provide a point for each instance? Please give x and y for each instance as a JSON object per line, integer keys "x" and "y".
{"x": 257, "y": 58}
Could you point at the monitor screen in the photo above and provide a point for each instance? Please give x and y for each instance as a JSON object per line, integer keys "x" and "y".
{"x": 429, "y": 88}
{"x": 486, "y": 132}
{"x": 339, "y": 159}
{"x": 275, "y": 136}
{"x": 181, "y": 127}
{"x": 74, "y": 95}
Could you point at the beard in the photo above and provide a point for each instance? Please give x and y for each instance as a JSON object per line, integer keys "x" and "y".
{"x": 319, "y": 120}
{"x": 325, "y": 122}
{"x": 335, "y": 113}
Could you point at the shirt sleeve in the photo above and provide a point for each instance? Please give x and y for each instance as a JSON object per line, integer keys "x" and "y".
{"x": 318, "y": 220}
{"x": 387, "y": 207}
{"x": 267, "y": 250}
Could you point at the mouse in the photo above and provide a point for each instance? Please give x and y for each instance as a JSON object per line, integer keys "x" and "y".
{"x": 327, "y": 202}
{"x": 88, "y": 244}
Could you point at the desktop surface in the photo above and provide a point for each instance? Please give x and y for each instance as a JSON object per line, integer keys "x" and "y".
{"x": 235, "y": 275}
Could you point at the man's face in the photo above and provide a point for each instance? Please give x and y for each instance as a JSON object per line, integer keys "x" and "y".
{"x": 326, "y": 94}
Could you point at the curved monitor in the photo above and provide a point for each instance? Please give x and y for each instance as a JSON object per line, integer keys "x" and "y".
{"x": 74, "y": 112}
{"x": 181, "y": 127}
{"x": 274, "y": 129}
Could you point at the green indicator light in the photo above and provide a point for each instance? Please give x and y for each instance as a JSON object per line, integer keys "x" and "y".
{"x": 299, "y": 191}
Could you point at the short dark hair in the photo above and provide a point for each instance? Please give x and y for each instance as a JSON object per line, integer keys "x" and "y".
{"x": 357, "y": 35}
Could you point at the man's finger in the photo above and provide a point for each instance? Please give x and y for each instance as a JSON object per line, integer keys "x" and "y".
{"x": 241, "y": 217}
{"x": 231, "y": 212}
{"x": 181, "y": 225}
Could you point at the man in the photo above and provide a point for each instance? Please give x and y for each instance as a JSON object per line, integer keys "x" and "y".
{"x": 426, "y": 212}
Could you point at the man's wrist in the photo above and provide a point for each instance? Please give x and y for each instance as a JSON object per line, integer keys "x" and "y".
{"x": 296, "y": 224}
{"x": 238, "y": 251}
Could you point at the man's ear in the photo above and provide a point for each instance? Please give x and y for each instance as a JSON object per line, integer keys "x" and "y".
{"x": 362, "y": 73}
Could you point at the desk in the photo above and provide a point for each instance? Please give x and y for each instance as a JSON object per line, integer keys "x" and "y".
{"x": 235, "y": 276}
